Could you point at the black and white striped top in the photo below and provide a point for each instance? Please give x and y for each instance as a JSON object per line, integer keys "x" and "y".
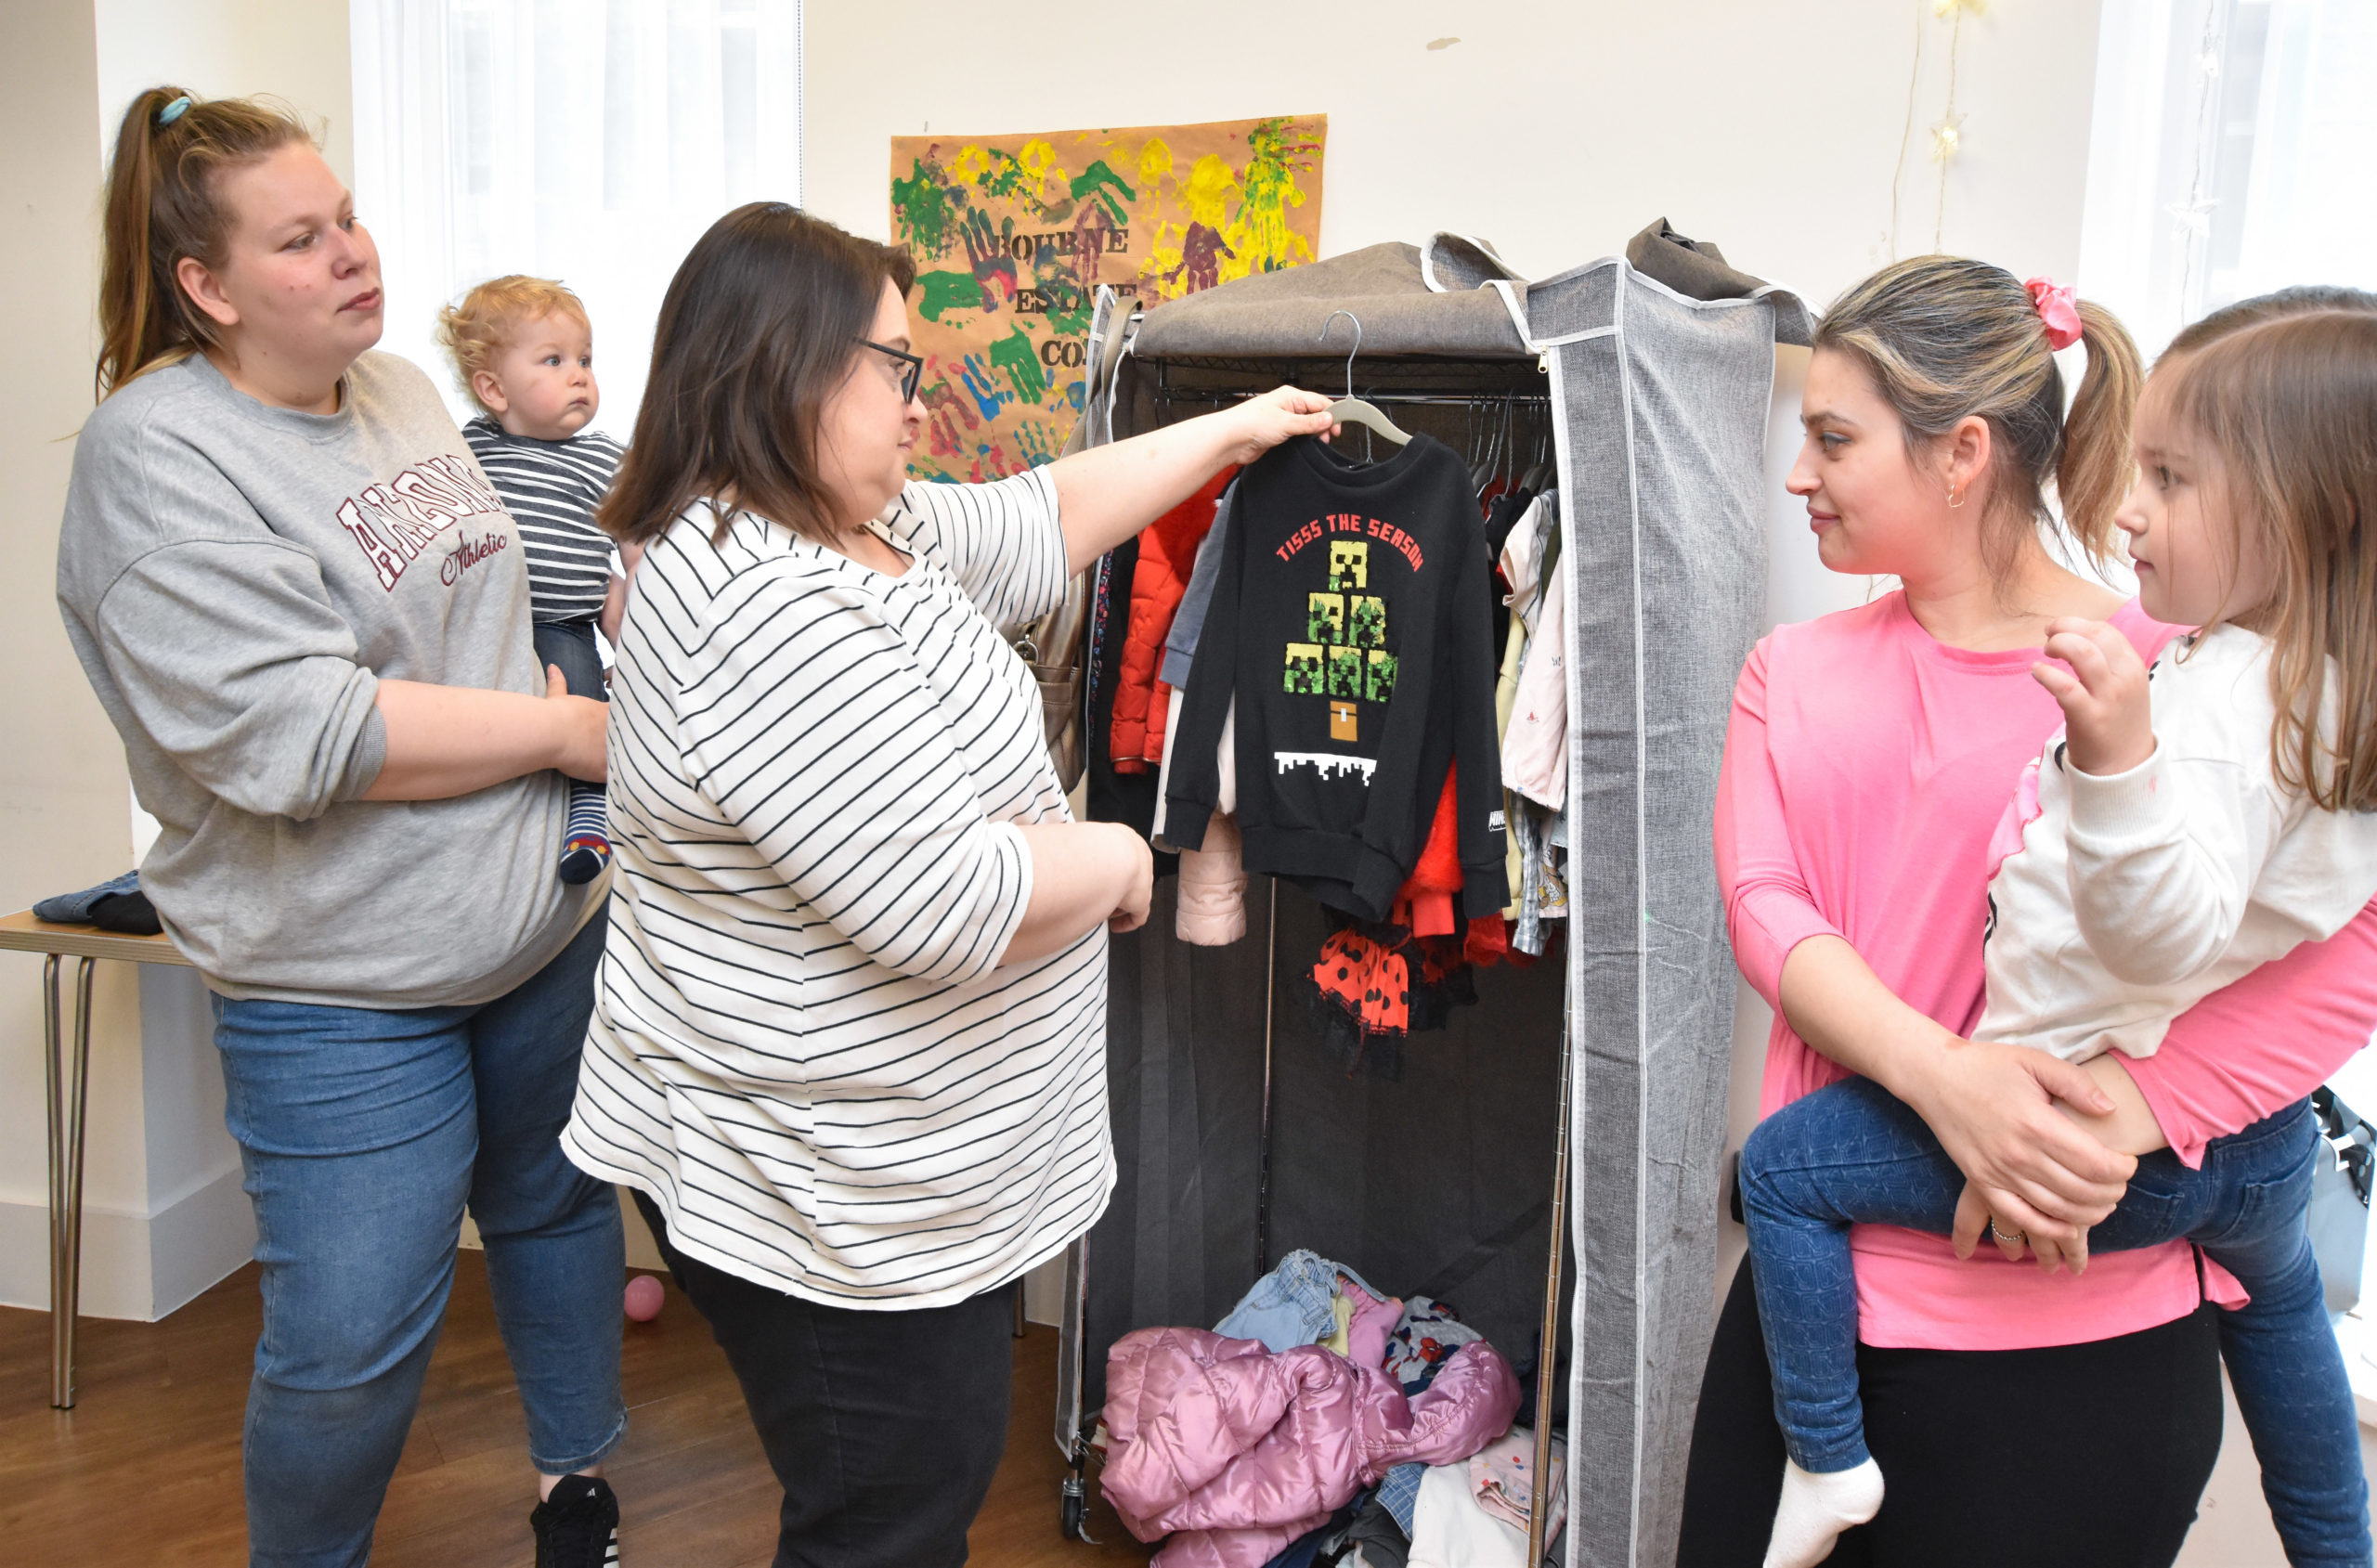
{"x": 802, "y": 1047}
{"x": 551, "y": 489}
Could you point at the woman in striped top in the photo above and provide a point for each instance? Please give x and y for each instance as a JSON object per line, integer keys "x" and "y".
{"x": 849, "y": 1037}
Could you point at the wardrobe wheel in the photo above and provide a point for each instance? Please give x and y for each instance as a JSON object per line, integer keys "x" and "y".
{"x": 1072, "y": 1511}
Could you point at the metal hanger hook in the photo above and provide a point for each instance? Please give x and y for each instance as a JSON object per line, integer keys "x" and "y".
{"x": 1358, "y": 343}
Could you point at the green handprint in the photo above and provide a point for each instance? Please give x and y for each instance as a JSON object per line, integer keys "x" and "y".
{"x": 1015, "y": 357}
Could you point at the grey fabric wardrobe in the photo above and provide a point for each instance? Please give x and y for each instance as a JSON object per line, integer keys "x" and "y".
{"x": 1439, "y": 1182}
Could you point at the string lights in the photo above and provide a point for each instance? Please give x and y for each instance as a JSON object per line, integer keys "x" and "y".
{"x": 1947, "y": 131}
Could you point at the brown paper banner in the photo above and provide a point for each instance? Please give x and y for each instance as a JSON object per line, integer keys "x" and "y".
{"x": 1013, "y": 234}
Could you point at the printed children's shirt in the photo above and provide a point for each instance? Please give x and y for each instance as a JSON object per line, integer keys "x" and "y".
{"x": 1351, "y": 622}
{"x": 237, "y": 580}
{"x": 2127, "y": 898}
{"x": 551, "y": 489}
{"x": 804, "y": 1045}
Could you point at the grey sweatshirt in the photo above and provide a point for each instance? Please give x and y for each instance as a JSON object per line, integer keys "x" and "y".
{"x": 236, "y": 580}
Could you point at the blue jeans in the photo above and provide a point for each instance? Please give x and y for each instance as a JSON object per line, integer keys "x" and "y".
{"x": 1852, "y": 1154}
{"x": 362, "y": 1134}
{"x": 571, "y": 645}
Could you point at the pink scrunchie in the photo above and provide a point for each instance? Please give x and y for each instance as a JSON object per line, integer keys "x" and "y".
{"x": 2060, "y": 309}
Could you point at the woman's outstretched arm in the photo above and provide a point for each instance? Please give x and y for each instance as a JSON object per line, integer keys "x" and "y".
{"x": 1108, "y": 493}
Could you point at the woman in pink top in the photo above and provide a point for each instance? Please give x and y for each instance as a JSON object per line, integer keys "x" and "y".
{"x": 2036, "y": 1419}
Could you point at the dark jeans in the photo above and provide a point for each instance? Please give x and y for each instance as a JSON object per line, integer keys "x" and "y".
{"x": 363, "y": 1134}
{"x": 1853, "y": 1154}
{"x": 884, "y": 1427}
{"x": 2087, "y": 1455}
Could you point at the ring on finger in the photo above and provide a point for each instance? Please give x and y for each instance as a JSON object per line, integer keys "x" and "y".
{"x": 2017, "y": 1238}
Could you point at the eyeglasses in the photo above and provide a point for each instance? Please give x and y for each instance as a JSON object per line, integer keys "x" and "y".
{"x": 912, "y": 369}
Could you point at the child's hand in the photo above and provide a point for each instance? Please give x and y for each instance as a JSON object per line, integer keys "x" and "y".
{"x": 614, "y": 608}
{"x": 2108, "y": 719}
{"x": 1972, "y": 1218}
{"x": 1974, "y": 1221}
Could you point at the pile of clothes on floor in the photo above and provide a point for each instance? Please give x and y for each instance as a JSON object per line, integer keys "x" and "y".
{"x": 1321, "y": 1423}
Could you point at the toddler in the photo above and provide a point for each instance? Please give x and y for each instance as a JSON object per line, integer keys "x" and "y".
{"x": 2192, "y": 822}
{"x": 525, "y": 352}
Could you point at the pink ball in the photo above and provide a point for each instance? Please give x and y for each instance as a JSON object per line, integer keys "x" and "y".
{"x": 644, "y": 1297}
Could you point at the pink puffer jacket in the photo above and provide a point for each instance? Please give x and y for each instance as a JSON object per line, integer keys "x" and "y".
{"x": 1237, "y": 1452}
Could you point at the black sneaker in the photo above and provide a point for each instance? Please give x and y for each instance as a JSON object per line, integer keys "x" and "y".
{"x": 579, "y": 1525}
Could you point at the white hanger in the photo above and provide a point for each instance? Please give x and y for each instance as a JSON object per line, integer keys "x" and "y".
{"x": 1350, "y": 410}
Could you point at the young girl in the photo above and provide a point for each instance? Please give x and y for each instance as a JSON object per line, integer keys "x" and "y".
{"x": 2175, "y": 837}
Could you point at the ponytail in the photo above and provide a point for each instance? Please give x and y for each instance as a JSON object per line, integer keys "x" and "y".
{"x": 2095, "y": 471}
{"x": 1947, "y": 338}
{"x": 162, "y": 205}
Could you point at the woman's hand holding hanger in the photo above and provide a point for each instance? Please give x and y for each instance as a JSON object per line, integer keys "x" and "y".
{"x": 1107, "y": 494}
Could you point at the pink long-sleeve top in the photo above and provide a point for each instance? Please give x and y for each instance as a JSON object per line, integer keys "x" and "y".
{"x": 1865, "y": 767}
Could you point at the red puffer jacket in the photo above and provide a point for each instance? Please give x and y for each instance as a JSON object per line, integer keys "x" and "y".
{"x": 1167, "y": 553}
{"x": 1238, "y": 1452}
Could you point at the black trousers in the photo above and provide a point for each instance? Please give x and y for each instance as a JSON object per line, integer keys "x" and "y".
{"x": 884, "y": 1428}
{"x": 2087, "y": 1455}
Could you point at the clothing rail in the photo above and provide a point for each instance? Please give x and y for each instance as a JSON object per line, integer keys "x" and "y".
{"x": 1461, "y": 384}
{"x": 1493, "y": 401}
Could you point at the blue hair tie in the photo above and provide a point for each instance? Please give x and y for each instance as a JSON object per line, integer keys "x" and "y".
{"x": 173, "y": 111}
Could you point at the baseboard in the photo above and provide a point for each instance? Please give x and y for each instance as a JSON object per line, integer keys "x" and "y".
{"x": 194, "y": 1244}
{"x": 134, "y": 1266}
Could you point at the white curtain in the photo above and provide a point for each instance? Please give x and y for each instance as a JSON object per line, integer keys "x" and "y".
{"x": 2230, "y": 155}
{"x": 587, "y": 140}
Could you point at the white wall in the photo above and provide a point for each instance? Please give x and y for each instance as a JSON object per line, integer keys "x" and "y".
{"x": 1555, "y": 130}
{"x": 62, "y": 787}
{"x": 163, "y": 1214}
{"x": 291, "y": 49}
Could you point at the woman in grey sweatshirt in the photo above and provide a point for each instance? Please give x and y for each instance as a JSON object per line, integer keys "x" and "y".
{"x": 305, "y": 612}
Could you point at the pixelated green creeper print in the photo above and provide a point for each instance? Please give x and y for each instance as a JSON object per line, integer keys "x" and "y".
{"x": 1367, "y": 616}
{"x": 1349, "y": 564}
{"x": 1304, "y": 669}
{"x": 1382, "y": 677}
{"x": 1344, "y": 672}
{"x": 1325, "y": 618}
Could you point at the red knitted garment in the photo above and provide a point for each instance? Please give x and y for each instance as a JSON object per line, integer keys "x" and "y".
{"x": 1370, "y": 981}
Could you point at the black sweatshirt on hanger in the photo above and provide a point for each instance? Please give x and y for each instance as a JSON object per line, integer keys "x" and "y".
{"x": 1352, "y": 620}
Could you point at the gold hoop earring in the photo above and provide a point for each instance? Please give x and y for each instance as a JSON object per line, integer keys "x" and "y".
{"x": 1954, "y": 501}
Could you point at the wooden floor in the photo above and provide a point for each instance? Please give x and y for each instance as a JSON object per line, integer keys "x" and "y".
{"x": 144, "y": 1470}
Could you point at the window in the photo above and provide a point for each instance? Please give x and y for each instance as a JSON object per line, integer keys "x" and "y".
{"x": 2230, "y": 155}
{"x": 587, "y": 140}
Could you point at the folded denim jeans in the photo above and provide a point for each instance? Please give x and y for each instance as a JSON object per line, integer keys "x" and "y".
{"x": 74, "y": 908}
{"x": 1290, "y": 1306}
{"x": 118, "y": 906}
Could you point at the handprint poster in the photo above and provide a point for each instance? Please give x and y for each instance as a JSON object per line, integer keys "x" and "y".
{"x": 1013, "y": 234}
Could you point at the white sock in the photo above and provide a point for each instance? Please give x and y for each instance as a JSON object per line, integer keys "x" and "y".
{"x": 1816, "y": 1508}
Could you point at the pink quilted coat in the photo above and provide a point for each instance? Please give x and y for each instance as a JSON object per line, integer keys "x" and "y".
{"x": 1237, "y": 1452}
